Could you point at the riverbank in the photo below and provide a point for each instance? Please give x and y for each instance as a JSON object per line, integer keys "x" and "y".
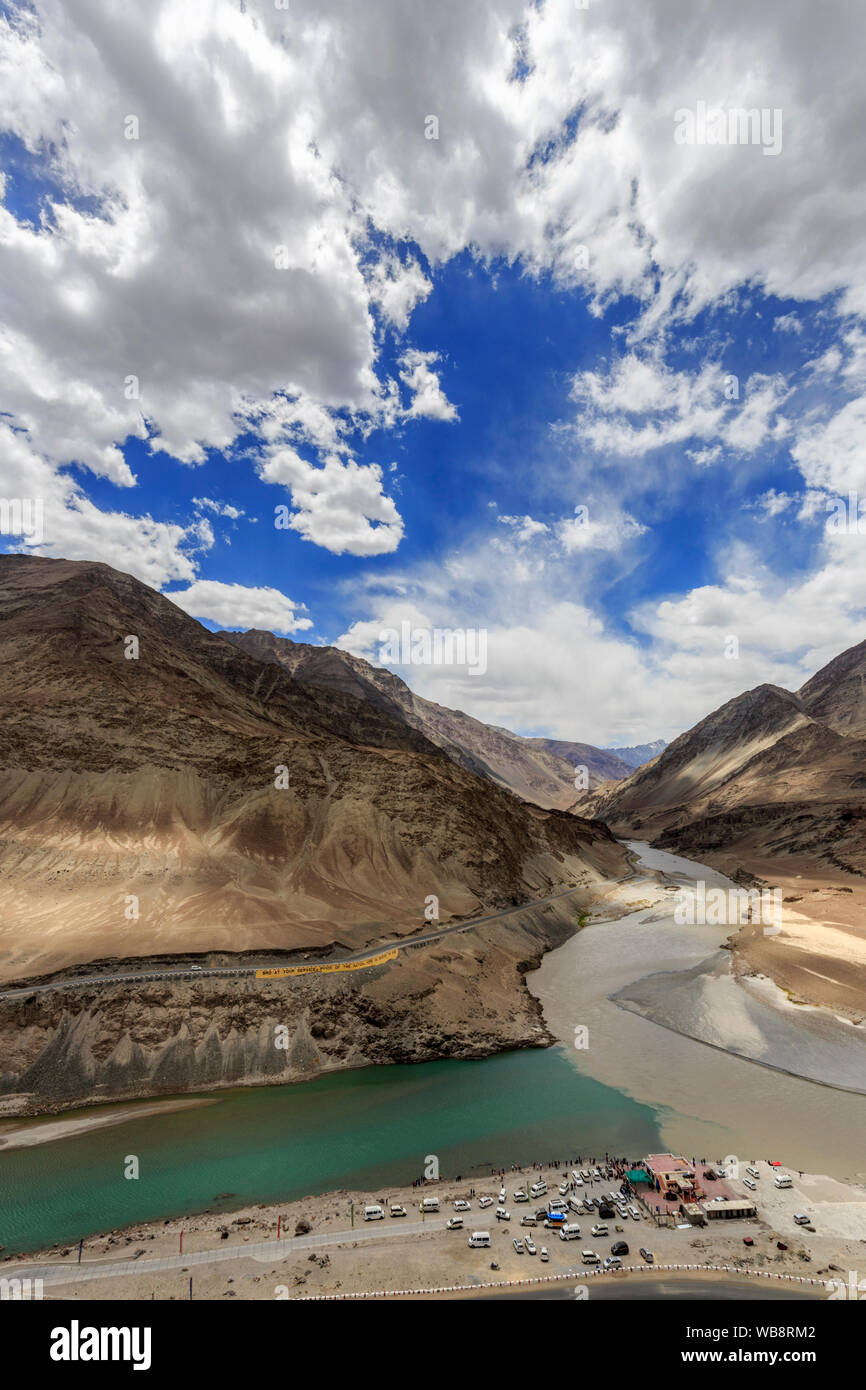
{"x": 249, "y": 1255}
{"x": 727, "y": 1066}
{"x": 23, "y": 1134}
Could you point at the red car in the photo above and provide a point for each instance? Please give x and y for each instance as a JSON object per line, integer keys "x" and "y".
{"x": 747, "y": 1240}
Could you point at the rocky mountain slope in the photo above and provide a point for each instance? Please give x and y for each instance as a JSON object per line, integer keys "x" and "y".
{"x": 142, "y": 806}
{"x": 769, "y": 773}
{"x": 536, "y": 769}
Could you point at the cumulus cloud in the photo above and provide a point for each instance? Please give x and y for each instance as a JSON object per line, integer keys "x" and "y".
{"x": 74, "y": 529}
{"x": 237, "y": 606}
{"x": 340, "y": 506}
{"x": 428, "y": 399}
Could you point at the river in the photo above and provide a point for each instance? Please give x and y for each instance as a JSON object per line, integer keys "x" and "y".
{"x": 637, "y": 1088}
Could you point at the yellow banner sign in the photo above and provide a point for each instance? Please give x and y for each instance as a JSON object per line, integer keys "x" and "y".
{"x": 280, "y": 972}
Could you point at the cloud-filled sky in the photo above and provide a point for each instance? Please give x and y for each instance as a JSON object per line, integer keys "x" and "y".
{"x": 332, "y": 318}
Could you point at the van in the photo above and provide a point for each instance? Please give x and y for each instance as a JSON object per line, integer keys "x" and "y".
{"x": 479, "y": 1238}
{"x": 575, "y": 1206}
{"x": 538, "y": 1189}
{"x": 753, "y": 1173}
{"x": 588, "y": 1257}
{"x": 374, "y": 1213}
{"x": 782, "y": 1180}
{"x": 571, "y": 1232}
{"x": 429, "y": 1203}
{"x": 557, "y": 1204}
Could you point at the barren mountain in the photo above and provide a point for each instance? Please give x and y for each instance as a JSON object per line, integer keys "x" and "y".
{"x": 768, "y": 773}
{"x": 537, "y": 769}
{"x": 142, "y": 806}
{"x": 837, "y": 694}
{"x": 638, "y": 753}
{"x": 771, "y": 788}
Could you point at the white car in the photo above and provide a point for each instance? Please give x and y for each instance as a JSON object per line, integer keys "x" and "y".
{"x": 485, "y": 1201}
{"x": 599, "y": 1230}
{"x": 634, "y": 1213}
{"x": 752, "y": 1186}
{"x": 800, "y": 1219}
{"x": 502, "y": 1196}
{"x": 461, "y": 1205}
{"x": 544, "y": 1255}
{"x": 530, "y": 1247}
{"x": 520, "y": 1195}
{"x": 612, "y": 1262}
{"x": 578, "y": 1181}
{"x": 563, "y": 1189}
{"x": 455, "y": 1223}
{"x": 518, "y": 1245}
{"x": 398, "y": 1210}
{"x": 502, "y": 1214}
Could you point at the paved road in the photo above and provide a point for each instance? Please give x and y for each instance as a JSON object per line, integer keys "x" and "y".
{"x": 69, "y": 1272}
{"x": 234, "y": 971}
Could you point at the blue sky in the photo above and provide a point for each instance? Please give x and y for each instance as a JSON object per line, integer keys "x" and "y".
{"x": 432, "y": 352}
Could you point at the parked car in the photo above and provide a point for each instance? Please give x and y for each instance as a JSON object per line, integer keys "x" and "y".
{"x": 485, "y": 1201}
{"x": 455, "y": 1223}
{"x": 599, "y": 1230}
{"x": 502, "y": 1214}
{"x": 398, "y": 1210}
{"x": 563, "y": 1189}
{"x": 518, "y": 1245}
{"x": 612, "y": 1262}
{"x": 619, "y": 1247}
{"x": 528, "y": 1220}
{"x": 647, "y": 1256}
{"x": 589, "y": 1204}
{"x": 461, "y": 1205}
{"x": 747, "y": 1240}
{"x": 521, "y": 1196}
{"x": 502, "y": 1196}
{"x": 634, "y": 1213}
{"x": 800, "y": 1219}
{"x": 543, "y": 1255}
{"x": 752, "y": 1186}
{"x": 530, "y": 1247}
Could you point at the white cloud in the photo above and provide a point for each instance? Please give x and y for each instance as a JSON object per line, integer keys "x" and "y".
{"x": 524, "y": 527}
{"x": 641, "y": 404}
{"x": 340, "y": 506}
{"x": 397, "y": 287}
{"x": 832, "y": 455}
{"x": 74, "y": 529}
{"x": 237, "y": 606}
{"x": 220, "y": 508}
{"x": 428, "y": 399}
